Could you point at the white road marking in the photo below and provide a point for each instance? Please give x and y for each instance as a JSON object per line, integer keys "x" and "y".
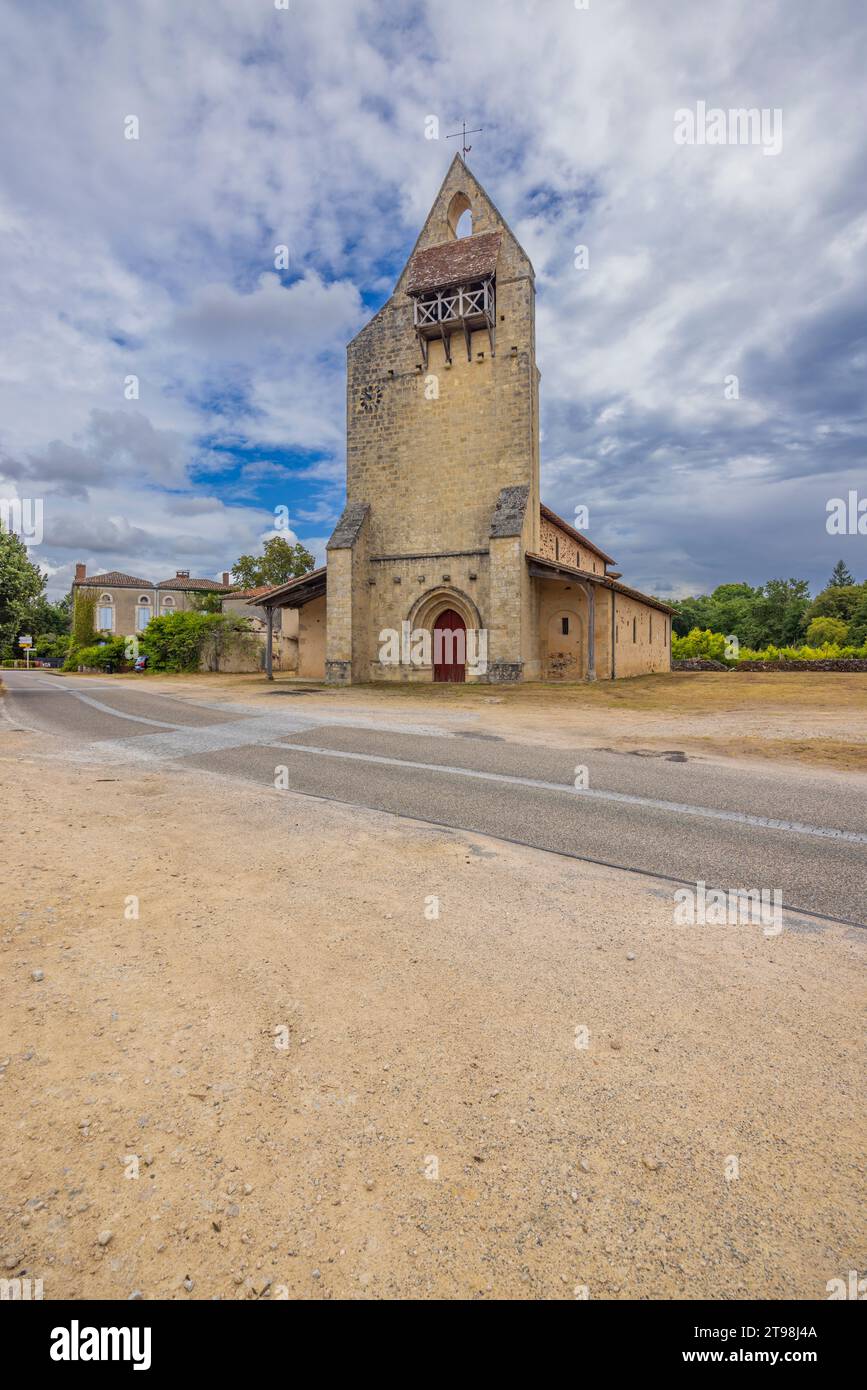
{"x": 185, "y": 740}
{"x": 681, "y": 808}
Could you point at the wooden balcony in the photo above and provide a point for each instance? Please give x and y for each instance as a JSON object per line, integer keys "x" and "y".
{"x": 440, "y": 313}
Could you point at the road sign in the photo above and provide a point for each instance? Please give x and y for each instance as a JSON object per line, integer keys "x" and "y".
{"x": 25, "y": 641}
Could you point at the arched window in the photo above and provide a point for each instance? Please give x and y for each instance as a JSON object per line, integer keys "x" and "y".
{"x": 142, "y": 612}
{"x": 460, "y": 216}
{"x": 105, "y": 613}
{"x": 168, "y": 603}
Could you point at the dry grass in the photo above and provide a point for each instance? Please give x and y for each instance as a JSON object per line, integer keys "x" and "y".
{"x": 686, "y": 691}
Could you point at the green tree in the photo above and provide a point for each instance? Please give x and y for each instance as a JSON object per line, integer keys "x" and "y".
{"x": 279, "y": 563}
{"x": 20, "y": 583}
{"x": 42, "y": 618}
{"x": 52, "y": 644}
{"x": 837, "y": 601}
{"x": 691, "y": 613}
{"x": 858, "y": 624}
{"x": 778, "y": 613}
{"x": 841, "y": 576}
{"x": 822, "y": 630}
{"x": 208, "y": 602}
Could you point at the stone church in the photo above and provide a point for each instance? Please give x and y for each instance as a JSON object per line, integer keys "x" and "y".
{"x": 446, "y": 564}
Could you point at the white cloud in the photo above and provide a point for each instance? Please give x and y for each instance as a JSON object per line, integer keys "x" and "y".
{"x": 306, "y": 128}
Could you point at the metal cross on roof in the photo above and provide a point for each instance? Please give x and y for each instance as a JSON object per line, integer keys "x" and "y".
{"x": 463, "y": 133}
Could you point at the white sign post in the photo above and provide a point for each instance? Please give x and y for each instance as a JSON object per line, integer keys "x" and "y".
{"x": 26, "y": 641}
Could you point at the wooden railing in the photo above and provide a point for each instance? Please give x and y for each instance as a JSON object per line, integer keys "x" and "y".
{"x": 466, "y": 302}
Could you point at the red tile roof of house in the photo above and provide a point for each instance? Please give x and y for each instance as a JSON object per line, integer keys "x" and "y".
{"x": 114, "y": 579}
{"x": 454, "y": 263}
{"x": 187, "y": 583}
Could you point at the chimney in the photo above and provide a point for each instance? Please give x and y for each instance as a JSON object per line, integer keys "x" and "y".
{"x": 80, "y": 572}
{"x": 182, "y": 574}
{"x": 226, "y": 578}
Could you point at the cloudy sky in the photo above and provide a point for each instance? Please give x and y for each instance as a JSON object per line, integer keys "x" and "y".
{"x": 305, "y": 127}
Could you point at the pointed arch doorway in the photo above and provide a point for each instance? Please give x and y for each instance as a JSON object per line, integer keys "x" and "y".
{"x": 449, "y": 647}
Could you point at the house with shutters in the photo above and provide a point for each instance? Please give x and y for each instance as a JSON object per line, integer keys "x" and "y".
{"x": 125, "y": 604}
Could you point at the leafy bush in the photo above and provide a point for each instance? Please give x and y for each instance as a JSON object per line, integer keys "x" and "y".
{"x": 52, "y": 644}
{"x": 112, "y": 654}
{"x": 174, "y": 641}
{"x": 180, "y": 641}
{"x": 711, "y": 645}
{"x": 822, "y": 630}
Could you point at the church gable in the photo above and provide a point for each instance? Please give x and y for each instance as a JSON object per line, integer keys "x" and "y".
{"x": 461, "y": 193}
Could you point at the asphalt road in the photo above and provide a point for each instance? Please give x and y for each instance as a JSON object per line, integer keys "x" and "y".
{"x": 682, "y": 819}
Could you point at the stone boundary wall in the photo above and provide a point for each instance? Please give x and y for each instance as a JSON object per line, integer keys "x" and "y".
{"x": 840, "y": 663}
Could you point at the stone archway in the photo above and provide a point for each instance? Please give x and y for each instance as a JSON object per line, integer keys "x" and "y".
{"x": 426, "y": 613}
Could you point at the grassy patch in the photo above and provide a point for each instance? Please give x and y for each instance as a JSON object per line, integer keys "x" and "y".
{"x": 687, "y": 692}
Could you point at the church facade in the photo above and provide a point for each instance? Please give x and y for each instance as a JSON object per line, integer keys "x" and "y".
{"x": 445, "y": 564}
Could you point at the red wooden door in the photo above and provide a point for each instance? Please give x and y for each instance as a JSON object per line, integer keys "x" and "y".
{"x": 449, "y": 647}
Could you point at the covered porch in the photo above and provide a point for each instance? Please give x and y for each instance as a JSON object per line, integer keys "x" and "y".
{"x": 307, "y": 594}
{"x": 572, "y": 610}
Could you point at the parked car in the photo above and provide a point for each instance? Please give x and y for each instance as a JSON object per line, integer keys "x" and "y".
{"x": 141, "y": 664}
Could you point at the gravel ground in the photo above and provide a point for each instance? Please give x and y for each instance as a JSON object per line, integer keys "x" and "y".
{"x": 430, "y": 1128}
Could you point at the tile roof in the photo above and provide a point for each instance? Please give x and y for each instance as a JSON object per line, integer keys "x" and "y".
{"x": 116, "y": 580}
{"x": 253, "y": 593}
{"x": 603, "y": 581}
{"x": 453, "y": 263}
{"x": 315, "y": 578}
{"x": 188, "y": 583}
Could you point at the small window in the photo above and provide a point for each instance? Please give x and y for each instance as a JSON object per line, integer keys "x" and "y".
{"x": 105, "y": 618}
{"x": 168, "y": 602}
{"x": 556, "y": 548}
{"x": 564, "y": 626}
{"x": 635, "y": 629}
{"x": 650, "y": 621}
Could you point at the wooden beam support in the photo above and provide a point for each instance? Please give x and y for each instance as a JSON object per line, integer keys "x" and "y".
{"x": 269, "y": 644}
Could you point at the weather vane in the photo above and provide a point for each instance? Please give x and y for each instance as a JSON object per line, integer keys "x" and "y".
{"x": 463, "y": 133}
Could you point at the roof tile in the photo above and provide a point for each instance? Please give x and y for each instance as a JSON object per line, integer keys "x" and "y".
{"x": 454, "y": 263}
